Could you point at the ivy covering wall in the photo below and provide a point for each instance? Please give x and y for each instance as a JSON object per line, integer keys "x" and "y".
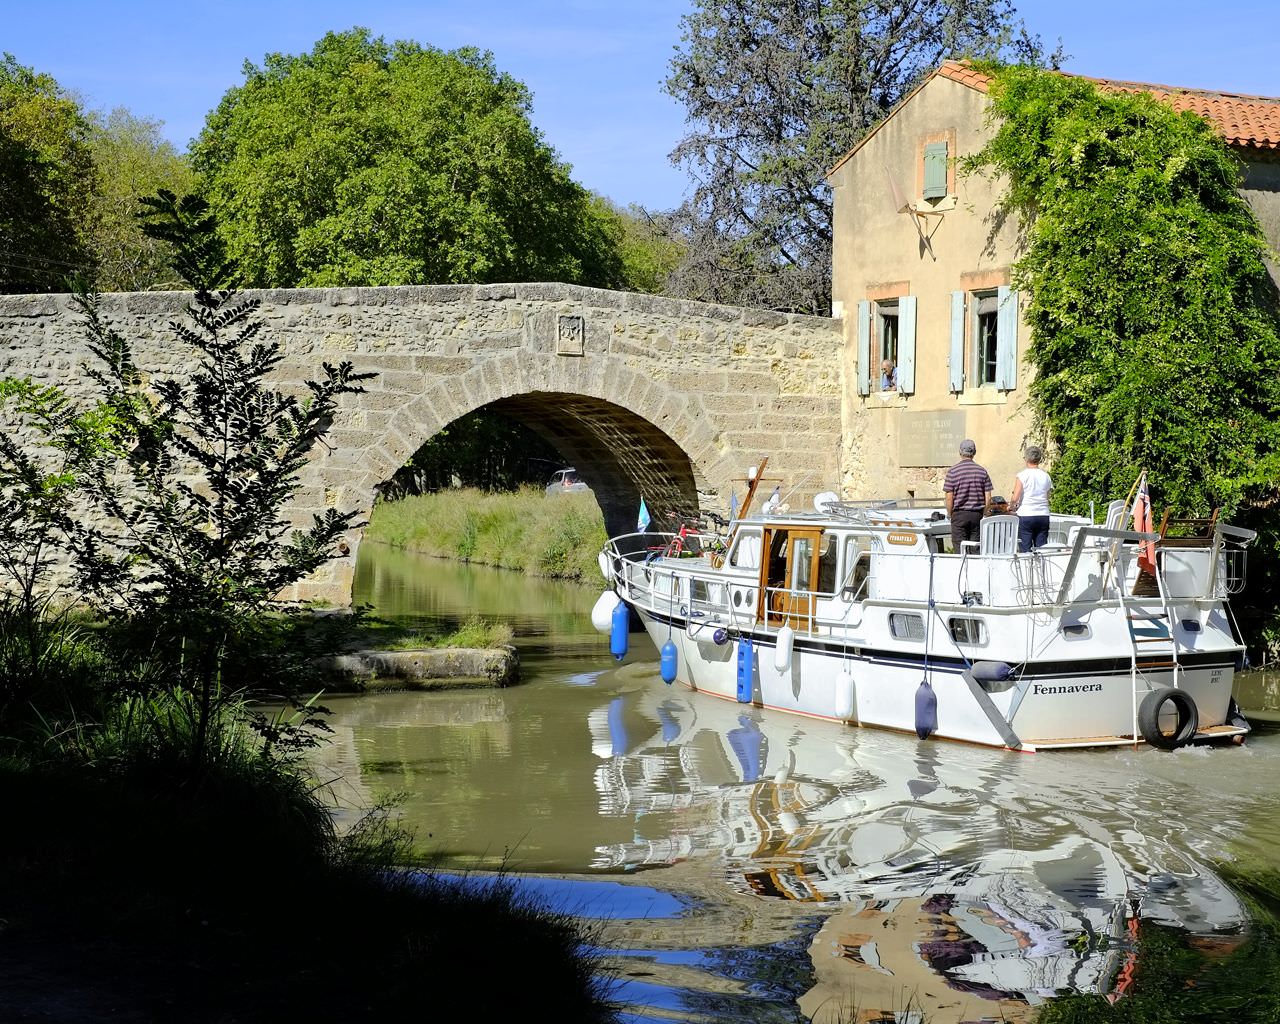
{"x": 1153, "y": 322}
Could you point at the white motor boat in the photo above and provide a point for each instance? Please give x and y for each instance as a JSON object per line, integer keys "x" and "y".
{"x": 857, "y": 612}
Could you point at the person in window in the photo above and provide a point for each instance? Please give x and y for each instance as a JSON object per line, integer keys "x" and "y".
{"x": 888, "y": 376}
{"x": 1030, "y": 500}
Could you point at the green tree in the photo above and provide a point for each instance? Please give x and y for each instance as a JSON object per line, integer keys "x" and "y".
{"x": 777, "y": 91}
{"x": 46, "y": 170}
{"x": 1154, "y": 334}
{"x": 184, "y": 479}
{"x": 364, "y": 162}
{"x": 649, "y": 247}
{"x": 132, "y": 161}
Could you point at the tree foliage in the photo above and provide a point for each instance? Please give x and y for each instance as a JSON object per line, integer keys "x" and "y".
{"x": 777, "y": 91}
{"x": 648, "y": 246}
{"x": 1154, "y": 333}
{"x": 181, "y": 483}
{"x": 132, "y": 160}
{"x": 367, "y": 162}
{"x": 46, "y": 170}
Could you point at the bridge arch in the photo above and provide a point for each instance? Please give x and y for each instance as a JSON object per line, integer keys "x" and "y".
{"x": 629, "y": 435}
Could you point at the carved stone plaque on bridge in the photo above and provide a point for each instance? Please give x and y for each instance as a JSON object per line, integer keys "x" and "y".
{"x": 571, "y": 336}
{"x": 930, "y": 438}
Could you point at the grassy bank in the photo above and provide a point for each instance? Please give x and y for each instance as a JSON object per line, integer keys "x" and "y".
{"x": 384, "y": 635}
{"x": 525, "y": 530}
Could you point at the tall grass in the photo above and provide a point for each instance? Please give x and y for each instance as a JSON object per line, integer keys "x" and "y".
{"x": 525, "y": 530}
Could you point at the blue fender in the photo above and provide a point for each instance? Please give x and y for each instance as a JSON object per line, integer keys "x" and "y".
{"x": 746, "y": 670}
{"x": 926, "y": 710}
{"x": 668, "y": 659}
{"x": 618, "y": 630}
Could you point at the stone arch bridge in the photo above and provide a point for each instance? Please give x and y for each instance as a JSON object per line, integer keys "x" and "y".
{"x": 645, "y": 395}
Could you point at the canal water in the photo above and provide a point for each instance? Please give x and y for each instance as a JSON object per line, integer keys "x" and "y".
{"x": 750, "y": 866}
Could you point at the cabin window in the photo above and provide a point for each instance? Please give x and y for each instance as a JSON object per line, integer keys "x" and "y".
{"x": 905, "y": 626}
{"x": 856, "y": 570}
{"x": 1076, "y": 631}
{"x": 802, "y": 570}
{"x": 1191, "y": 625}
{"x": 968, "y": 631}
{"x": 746, "y": 551}
{"x": 828, "y": 559}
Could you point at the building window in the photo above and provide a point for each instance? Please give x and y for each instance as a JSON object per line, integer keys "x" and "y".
{"x": 935, "y": 170}
{"x": 887, "y": 343}
{"x": 986, "y": 337}
{"x": 887, "y": 333}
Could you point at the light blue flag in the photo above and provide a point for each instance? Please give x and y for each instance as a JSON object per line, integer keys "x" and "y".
{"x": 733, "y": 506}
{"x": 642, "y": 521}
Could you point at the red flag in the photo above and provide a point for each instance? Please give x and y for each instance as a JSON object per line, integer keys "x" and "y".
{"x": 1142, "y": 523}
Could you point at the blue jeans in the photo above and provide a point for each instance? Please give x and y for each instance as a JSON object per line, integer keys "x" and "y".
{"x": 1033, "y": 532}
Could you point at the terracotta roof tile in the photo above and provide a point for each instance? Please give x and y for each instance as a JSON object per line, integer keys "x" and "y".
{"x": 1248, "y": 122}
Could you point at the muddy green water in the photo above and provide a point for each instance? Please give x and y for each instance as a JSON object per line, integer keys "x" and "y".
{"x": 759, "y": 867}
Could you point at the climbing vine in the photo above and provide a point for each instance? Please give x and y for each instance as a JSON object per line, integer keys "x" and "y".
{"x": 1153, "y": 322}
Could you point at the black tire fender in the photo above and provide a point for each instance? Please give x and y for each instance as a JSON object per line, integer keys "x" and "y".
{"x": 1149, "y": 718}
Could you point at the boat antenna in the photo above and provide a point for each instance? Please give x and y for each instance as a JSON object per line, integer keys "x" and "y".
{"x": 801, "y": 483}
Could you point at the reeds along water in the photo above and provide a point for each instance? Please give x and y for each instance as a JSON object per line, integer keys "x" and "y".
{"x": 526, "y": 530}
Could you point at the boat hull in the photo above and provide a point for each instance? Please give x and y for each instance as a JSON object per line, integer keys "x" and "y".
{"x": 1062, "y": 703}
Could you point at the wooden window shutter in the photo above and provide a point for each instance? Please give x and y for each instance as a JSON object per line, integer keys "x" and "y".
{"x": 956, "y": 360}
{"x": 935, "y": 170}
{"x": 907, "y": 344}
{"x": 1007, "y": 339}
{"x": 864, "y": 347}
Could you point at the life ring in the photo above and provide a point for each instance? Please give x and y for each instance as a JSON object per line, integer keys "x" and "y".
{"x": 1149, "y": 718}
{"x": 717, "y": 559}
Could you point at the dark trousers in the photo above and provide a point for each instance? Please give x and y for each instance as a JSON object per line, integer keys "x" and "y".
{"x": 966, "y": 524}
{"x": 1033, "y": 532}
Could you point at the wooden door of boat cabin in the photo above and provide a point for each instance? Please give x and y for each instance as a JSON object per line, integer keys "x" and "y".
{"x": 788, "y": 577}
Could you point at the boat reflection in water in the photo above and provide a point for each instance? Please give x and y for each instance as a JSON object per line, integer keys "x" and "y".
{"x": 964, "y": 883}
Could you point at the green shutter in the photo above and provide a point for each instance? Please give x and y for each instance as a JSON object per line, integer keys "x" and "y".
{"x": 907, "y": 344}
{"x": 864, "y": 347}
{"x": 956, "y": 365}
{"x": 1007, "y": 339}
{"x": 935, "y": 170}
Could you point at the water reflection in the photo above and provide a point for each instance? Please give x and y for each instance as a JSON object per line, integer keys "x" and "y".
{"x": 836, "y": 874}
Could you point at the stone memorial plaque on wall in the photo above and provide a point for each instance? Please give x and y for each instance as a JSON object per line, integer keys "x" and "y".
{"x": 930, "y": 438}
{"x": 571, "y": 335}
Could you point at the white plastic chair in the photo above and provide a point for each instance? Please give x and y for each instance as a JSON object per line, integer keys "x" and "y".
{"x": 998, "y": 535}
{"x": 1115, "y": 515}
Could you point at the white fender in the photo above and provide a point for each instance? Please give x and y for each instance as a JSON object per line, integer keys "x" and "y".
{"x": 844, "y": 695}
{"x": 602, "y": 613}
{"x": 606, "y": 570}
{"x": 782, "y": 653}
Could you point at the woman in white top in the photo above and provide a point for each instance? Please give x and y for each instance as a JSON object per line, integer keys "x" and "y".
{"x": 1030, "y": 499}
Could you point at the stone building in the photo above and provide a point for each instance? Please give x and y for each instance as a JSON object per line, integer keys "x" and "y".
{"x": 921, "y": 275}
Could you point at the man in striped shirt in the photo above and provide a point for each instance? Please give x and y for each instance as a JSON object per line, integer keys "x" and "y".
{"x": 968, "y": 490}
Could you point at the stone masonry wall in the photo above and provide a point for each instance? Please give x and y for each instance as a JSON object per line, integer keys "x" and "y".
{"x": 717, "y": 387}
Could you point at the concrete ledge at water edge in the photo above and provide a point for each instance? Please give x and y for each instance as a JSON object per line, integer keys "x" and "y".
{"x": 427, "y": 668}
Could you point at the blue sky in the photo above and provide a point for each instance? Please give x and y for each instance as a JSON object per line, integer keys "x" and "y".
{"x": 595, "y": 67}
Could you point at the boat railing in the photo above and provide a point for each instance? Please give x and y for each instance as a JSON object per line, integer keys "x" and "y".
{"x": 1228, "y": 560}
